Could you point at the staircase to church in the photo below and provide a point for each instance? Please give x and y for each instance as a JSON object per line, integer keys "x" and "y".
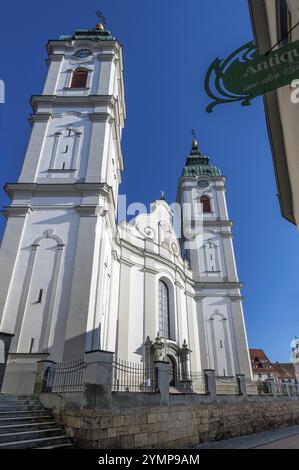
{"x": 26, "y": 424}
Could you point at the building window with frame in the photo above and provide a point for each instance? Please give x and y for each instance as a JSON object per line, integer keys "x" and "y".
{"x": 79, "y": 78}
{"x": 163, "y": 310}
{"x": 205, "y": 203}
{"x": 284, "y": 22}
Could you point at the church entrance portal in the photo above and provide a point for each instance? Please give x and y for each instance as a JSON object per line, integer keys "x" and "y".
{"x": 172, "y": 370}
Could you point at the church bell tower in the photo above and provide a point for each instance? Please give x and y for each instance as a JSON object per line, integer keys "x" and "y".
{"x": 206, "y": 242}
{"x": 61, "y": 220}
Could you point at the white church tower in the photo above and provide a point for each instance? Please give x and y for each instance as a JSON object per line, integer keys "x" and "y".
{"x": 59, "y": 229}
{"x": 207, "y": 244}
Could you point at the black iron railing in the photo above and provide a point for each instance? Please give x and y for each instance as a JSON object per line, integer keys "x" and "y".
{"x": 64, "y": 376}
{"x": 190, "y": 382}
{"x": 133, "y": 377}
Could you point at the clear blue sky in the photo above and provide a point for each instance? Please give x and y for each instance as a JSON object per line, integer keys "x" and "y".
{"x": 168, "y": 45}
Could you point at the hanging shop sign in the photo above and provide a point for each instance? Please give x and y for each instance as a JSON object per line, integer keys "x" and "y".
{"x": 246, "y": 74}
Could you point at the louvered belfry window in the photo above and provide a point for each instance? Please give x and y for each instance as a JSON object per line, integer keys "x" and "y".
{"x": 79, "y": 79}
{"x": 206, "y": 204}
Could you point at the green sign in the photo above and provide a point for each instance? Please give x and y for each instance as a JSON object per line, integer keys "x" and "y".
{"x": 246, "y": 74}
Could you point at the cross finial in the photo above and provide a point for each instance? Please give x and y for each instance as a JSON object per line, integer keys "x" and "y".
{"x": 194, "y": 141}
{"x": 101, "y": 16}
{"x": 102, "y": 20}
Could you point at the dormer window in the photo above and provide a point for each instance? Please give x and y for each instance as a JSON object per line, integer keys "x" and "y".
{"x": 79, "y": 78}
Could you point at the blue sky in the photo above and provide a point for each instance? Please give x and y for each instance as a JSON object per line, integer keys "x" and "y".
{"x": 168, "y": 46}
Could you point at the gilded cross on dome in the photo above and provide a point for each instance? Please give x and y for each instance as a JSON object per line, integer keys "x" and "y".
{"x": 194, "y": 141}
{"x": 102, "y": 20}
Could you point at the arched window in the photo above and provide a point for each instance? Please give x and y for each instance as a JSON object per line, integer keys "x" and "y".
{"x": 163, "y": 310}
{"x": 79, "y": 79}
{"x": 206, "y": 204}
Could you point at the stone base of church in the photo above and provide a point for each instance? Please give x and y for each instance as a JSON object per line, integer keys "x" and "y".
{"x": 20, "y": 373}
{"x": 137, "y": 420}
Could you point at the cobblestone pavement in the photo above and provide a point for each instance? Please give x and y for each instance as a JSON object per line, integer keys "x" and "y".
{"x": 285, "y": 438}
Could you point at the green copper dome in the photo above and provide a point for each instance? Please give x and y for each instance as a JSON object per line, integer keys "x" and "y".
{"x": 198, "y": 164}
{"x": 200, "y": 170}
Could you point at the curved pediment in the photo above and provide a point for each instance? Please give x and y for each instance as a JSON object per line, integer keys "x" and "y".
{"x": 156, "y": 226}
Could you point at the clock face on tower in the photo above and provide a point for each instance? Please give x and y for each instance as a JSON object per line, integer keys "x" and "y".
{"x": 202, "y": 183}
{"x": 82, "y": 53}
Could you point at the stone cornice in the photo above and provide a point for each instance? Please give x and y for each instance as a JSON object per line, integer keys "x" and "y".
{"x": 76, "y": 189}
{"x": 14, "y": 355}
{"x": 218, "y": 223}
{"x": 220, "y": 188}
{"x": 189, "y": 294}
{"x": 16, "y": 211}
{"x": 233, "y": 298}
{"x": 99, "y": 46}
{"x": 156, "y": 257}
{"x": 90, "y": 210}
{"x": 107, "y": 57}
{"x": 236, "y": 298}
{"x": 226, "y": 234}
{"x": 126, "y": 262}
{"x": 40, "y": 117}
{"x": 219, "y": 285}
{"x": 84, "y": 100}
{"x": 178, "y": 284}
{"x": 100, "y": 117}
{"x": 148, "y": 270}
{"x": 206, "y": 177}
{"x": 56, "y": 57}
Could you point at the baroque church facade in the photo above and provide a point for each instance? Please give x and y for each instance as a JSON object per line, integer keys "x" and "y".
{"x": 72, "y": 279}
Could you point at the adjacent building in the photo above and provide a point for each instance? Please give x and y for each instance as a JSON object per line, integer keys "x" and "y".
{"x": 285, "y": 374}
{"x": 275, "y": 23}
{"x": 262, "y": 369}
{"x": 281, "y": 373}
{"x": 295, "y": 356}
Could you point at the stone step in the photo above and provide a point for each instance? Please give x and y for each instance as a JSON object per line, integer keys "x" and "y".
{"x": 60, "y": 446}
{"x": 17, "y": 407}
{"x": 51, "y": 442}
{"x": 26, "y": 424}
{"x": 29, "y": 413}
{"x": 16, "y": 428}
{"x": 14, "y": 398}
{"x": 23, "y": 402}
{"x": 29, "y": 435}
{"x": 25, "y": 419}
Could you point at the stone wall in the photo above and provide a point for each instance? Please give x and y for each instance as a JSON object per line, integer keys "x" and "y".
{"x": 139, "y": 421}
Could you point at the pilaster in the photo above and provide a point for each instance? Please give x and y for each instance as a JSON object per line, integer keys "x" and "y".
{"x": 82, "y": 280}
{"x": 55, "y": 62}
{"x": 34, "y": 150}
{"x": 9, "y": 250}
{"x": 98, "y": 148}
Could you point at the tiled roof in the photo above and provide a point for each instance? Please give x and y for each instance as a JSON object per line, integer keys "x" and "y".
{"x": 259, "y": 361}
{"x": 284, "y": 370}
